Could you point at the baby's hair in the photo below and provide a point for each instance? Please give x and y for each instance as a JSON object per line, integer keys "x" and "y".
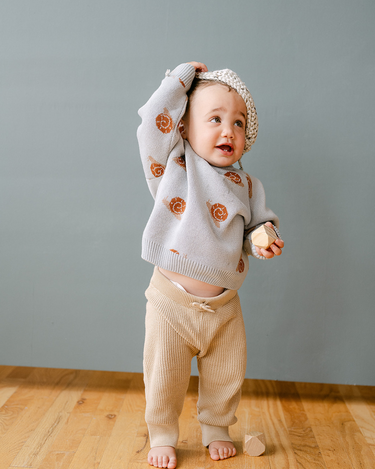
{"x": 201, "y": 83}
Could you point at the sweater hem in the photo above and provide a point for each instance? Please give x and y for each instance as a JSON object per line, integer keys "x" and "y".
{"x": 160, "y": 256}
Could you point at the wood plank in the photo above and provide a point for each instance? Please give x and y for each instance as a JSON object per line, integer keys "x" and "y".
{"x": 102, "y": 398}
{"x": 304, "y": 444}
{"x": 360, "y": 412}
{"x": 109, "y": 392}
{"x": 21, "y": 372}
{"x": 249, "y": 416}
{"x": 8, "y": 413}
{"x": 368, "y": 394}
{"x": 319, "y": 404}
{"x": 116, "y": 390}
{"x": 5, "y": 393}
{"x": 89, "y": 453}
{"x": 341, "y": 441}
{"x": 70, "y": 436}
{"x": 24, "y": 409}
{"x": 120, "y": 446}
{"x": 5, "y": 371}
{"x": 93, "y": 392}
{"x": 279, "y": 447}
{"x": 21, "y": 428}
{"x": 141, "y": 446}
{"x": 94, "y": 443}
{"x": 57, "y": 460}
{"x": 37, "y": 445}
{"x": 135, "y": 400}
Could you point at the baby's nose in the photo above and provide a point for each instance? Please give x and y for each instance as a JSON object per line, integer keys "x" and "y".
{"x": 227, "y": 132}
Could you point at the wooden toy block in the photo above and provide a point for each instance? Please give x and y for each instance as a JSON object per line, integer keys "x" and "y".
{"x": 254, "y": 444}
{"x": 263, "y": 237}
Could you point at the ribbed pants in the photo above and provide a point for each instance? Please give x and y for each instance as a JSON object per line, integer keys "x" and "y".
{"x": 180, "y": 326}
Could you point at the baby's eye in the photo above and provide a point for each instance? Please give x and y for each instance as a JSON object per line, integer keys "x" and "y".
{"x": 239, "y": 123}
{"x": 215, "y": 119}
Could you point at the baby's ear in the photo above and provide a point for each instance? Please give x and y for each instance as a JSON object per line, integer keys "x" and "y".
{"x": 181, "y": 128}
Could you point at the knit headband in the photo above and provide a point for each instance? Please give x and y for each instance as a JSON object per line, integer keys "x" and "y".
{"x": 233, "y": 80}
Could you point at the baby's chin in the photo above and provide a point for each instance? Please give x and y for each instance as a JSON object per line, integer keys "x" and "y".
{"x": 217, "y": 163}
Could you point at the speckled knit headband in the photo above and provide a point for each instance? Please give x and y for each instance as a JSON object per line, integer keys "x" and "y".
{"x": 233, "y": 80}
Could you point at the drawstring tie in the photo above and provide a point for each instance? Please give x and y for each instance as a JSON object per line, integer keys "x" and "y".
{"x": 203, "y": 306}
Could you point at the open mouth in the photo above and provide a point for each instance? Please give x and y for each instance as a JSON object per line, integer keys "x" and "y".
{"x": 226, "y": 149}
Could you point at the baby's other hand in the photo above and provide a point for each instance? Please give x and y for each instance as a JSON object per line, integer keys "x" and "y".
{"x": 274, "y": 250}
{"x": 199, "y": 66}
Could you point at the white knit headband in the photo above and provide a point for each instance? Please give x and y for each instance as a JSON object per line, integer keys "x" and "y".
{"x": 233, "y": 80}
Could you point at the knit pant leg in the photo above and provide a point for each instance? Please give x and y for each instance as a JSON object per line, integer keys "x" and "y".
{"x": 221, "y": 374}
{"x": 167, "y": 366}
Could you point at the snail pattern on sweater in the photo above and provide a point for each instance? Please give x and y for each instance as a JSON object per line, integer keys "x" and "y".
{"x": 201, "y": 212}
{"x": 156, "y": 168}
{"x": 176, "y": 206}
{"x": 164, "y": 122}
{"x": 180, "y": 160}
{"x": 218, "y": 212}
{"x": 234, "y": 177}
{"x": 240, "y": 266}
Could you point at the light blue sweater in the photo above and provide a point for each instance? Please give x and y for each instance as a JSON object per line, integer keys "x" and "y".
{"x": 201, "y": 212}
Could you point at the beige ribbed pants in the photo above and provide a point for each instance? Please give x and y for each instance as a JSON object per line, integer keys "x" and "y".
{"x": 180, "y": 326}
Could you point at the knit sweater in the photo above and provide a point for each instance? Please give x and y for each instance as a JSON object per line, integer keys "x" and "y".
{"x": 202, "y": 213}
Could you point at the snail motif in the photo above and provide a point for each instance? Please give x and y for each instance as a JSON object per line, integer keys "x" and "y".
{"x": 241, "y": 266}
{"x": 164, "y": 122}
{"x": 218, "y": 213}
{"x": 234, "y": 177}
{"x": 180, "y": 161}
{"x": 176, "y": 206}
{"x": 250, "y": 185}
{"x": 156, "y": 168}
{"x": 174, "y": 250}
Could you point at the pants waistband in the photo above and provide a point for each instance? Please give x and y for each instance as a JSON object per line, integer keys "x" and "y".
{"x": 165, "y": 286}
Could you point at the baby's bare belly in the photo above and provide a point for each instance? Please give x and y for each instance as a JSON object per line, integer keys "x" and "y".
{"x": 192, "y": 286}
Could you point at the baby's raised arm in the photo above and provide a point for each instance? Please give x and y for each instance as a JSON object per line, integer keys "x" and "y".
{"x": 158, "y": 135}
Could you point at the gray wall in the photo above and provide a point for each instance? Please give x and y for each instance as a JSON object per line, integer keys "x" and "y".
{"x": 74, "y": 201}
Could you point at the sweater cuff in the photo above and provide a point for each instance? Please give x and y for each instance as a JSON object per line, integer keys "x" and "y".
{"x": 185, "y": 72}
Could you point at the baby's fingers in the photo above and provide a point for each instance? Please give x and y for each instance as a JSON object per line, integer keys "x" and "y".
{"x": 276, "y": 249}
{"x": 264, "y": 252}
{"x": 279, "y": 242}
{"x": 199, "y": 66}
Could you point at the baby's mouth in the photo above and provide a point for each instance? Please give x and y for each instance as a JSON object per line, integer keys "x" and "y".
{"x": 226, "y": 149}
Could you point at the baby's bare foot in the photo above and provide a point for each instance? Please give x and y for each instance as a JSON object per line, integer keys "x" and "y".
{"x": 162, "y": 456}
{"x": 221, "y": 450}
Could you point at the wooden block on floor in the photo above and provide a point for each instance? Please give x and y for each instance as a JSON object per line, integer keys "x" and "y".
{"x": 254, "y": 444}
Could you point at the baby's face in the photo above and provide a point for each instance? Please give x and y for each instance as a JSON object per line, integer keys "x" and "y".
{"x": 215, "y": 125}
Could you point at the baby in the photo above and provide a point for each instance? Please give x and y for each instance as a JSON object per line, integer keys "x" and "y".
{"x": 194, "y": 128}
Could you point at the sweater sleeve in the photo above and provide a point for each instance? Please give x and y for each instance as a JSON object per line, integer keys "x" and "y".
{"x": 260, "y": 214}
{"x": 158, "y": 135}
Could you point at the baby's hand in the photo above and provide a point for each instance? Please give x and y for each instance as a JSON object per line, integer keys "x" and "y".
{"x": 274, "y": 250}
{"x": 199, "y": 67}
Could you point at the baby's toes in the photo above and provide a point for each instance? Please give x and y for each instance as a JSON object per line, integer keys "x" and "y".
{"x": 214, "y": 453}
{"x": 223, "y": 452}
{"x": 172, "y": 463}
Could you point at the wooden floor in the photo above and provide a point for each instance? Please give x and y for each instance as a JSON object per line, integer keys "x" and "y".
{"x": 60, "y": 419}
